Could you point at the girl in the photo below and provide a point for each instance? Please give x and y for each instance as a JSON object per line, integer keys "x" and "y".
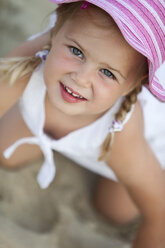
{"x": 81, "y": 100}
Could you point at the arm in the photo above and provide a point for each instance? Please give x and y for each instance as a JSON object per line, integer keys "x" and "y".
{"x": 30, "y": 47}
{"x": 139, "y": 171}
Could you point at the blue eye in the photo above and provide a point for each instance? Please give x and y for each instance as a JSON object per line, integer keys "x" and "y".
{"x": 107, "y": 73}
{"x": 76, "y": 52}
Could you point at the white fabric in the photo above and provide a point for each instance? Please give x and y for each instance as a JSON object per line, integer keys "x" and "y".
{"x": 160, "y": 73}
{"x": 85, "y": 152}
{"x": 83, "y": 145}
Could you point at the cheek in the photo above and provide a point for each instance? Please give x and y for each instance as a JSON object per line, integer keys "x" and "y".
{"x": 59, "y": 62}
{"x": 108, "y": 90}
{"x": 53, "y": 67}
{"x": 107, "y": 94}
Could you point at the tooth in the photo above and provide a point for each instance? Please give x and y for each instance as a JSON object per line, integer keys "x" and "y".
{"x": 69, "y": 91}
{"x": 73, "y": 94}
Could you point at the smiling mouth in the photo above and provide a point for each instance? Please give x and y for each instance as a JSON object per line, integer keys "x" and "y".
{"x": 73, "y": 93}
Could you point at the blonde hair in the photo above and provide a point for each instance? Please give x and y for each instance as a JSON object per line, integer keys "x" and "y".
{"x": 14, "y": 68}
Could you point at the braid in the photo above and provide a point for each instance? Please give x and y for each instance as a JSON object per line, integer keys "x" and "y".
{"x": 130, "y": 99}
{"x": 13, "y": 68}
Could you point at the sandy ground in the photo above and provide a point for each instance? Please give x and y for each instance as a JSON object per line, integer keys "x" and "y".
{"x": 61, "y": 216}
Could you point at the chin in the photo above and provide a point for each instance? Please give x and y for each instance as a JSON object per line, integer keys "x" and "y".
{"x": 68, "y": 110}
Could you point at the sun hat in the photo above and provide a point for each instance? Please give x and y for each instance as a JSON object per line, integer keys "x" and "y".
{"x": 142, "y": 23}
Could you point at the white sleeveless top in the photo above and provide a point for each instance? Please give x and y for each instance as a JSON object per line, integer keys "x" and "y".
{"x": 85, "y": 153}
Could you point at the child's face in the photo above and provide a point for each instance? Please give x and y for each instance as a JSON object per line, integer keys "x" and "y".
{"x": 89, "y": 67}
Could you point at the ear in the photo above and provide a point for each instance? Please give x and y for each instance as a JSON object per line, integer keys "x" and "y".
{"x": 142, "y": 81}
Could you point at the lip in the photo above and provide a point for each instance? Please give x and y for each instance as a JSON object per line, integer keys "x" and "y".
{"x": 68, "y": 97}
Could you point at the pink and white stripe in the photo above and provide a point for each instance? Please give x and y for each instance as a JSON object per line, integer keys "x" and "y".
{"x": 142, "y": 23}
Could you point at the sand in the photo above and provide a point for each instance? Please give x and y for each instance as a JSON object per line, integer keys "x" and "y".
{"x": 61, "y": 216}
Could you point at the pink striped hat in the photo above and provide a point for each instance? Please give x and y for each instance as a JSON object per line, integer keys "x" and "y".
{"x": 142, "y": 23}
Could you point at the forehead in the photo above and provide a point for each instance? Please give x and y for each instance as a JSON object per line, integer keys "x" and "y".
{"x": 93, "y": 17}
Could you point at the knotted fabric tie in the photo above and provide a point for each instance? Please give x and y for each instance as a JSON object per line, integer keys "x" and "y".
{"x": 117, "y": 126}
{"x": 48, "y": 169}
{"x": 34, "y": 117}
{"x": 42, "y": 54}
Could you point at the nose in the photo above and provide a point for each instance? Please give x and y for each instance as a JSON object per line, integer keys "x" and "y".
{"x": 83, "y": 76}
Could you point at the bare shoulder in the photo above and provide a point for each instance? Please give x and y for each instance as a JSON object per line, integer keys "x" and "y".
{"x": 128, "y": 144}
{"x": 132, "y": 131}
{"x": 135, "y": 125}
{"x": 30, "y": 47}
{"x": 131, "y": 157}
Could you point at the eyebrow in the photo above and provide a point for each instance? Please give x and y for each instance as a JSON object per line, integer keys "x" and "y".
{"x": 106, "y": 65}
{"x": 71, "y": 39}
